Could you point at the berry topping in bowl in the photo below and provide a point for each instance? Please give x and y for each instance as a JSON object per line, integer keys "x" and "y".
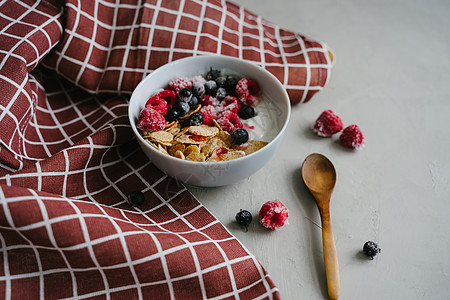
{"x": 215, "y": 105}
{"x": 239, "y": 136}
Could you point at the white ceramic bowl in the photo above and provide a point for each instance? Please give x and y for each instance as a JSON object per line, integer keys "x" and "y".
{"x": 270, "y": 123}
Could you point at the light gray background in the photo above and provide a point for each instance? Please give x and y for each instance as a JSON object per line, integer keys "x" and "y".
{"x": 392, "y": 78}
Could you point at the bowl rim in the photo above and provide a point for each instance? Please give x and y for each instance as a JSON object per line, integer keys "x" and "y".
{"x": 250, "y": 64}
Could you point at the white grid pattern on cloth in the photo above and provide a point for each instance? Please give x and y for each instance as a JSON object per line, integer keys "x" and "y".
{"x": 89, "y": 137}
{"x": 246, "y": 21}
{"x": 89, "y": 243}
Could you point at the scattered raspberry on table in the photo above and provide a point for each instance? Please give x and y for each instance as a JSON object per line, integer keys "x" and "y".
{"x": 328, "y": 123}
{"x": 352, "y": 137}
{"x": 273, "y": 215}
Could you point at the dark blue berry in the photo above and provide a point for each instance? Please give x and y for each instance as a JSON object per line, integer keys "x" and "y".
{"x": 221, "y": 94}
{"x": 239, "y": 136}
{"x": 231, "y": 82}
{"x": 136, "y": 198}
{"x": 193, "y": 102}
{"x": 171, "y": 115}
{"x": 246, "y": 112}
{"x": 371, "y": 249}
{"x": 184, "y": 94}
{"x": 221, "y": 81}
{"x": 196, "y": 119}
{"x": 198, "y": 89}
{"x": 212, "y": 74}
{"x": 244, "y": 218}
{"x": 211, "y": 87}
{"x": 182, "y": 107}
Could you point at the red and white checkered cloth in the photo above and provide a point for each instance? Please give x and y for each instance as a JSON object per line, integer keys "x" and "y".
{"x": 68, "y": 158}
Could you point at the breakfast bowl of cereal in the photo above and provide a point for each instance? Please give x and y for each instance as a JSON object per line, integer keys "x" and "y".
{"x": 209, "y": 120}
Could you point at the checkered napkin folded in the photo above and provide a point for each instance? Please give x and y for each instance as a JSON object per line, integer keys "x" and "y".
{"x": 68, "y": 158}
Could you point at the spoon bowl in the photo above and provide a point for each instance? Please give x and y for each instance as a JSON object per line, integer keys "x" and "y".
{"x": 319, "y": 176}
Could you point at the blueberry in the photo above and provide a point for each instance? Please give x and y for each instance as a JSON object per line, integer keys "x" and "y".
{"x": 210, "y": 87}
{"x": 193, "y": 101}
{"x": 246, "y": 112}
{"x": 196, "y": 119}
{"x": 182, "y": 107}
{"x": 231, "y": 82}
{"x": 244, "y": 218}
{"x": 136, "y": 198}
{"x": 212, "y": 74}
{"x": 239, "y": 136}
{"x": 171, "y": 115}
{"x": 371, "y": 249}
{"x": 184, "y": 94}
{"x": 198, "y": 89}
{"x": 221, "y": 94}
{"x": 221, "y": 81}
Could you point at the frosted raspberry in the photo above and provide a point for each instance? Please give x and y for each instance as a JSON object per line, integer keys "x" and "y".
{"x": 169, "y": 96}
{"x": 246, "y": 87}
{"x": 210, "y": 100}
{"x": 251, "y": 100}
{"x": 229, "y": 121}
{"x": 328, "y": 123}
{"x": 151, "y": 120}
{"x": 209, "y": 114}
{"x": 231, "y": 103}
{"x": 158, "y": 104}
{"x": 179, "y": 83}
{"x": 352, "y": 137}
{"x": 273, "y": 215}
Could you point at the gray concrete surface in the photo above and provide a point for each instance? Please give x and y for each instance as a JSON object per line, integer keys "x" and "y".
{"x": 392, "y": 78}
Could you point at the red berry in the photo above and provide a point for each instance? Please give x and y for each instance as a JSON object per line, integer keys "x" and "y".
{"x": 210, "y": 100}
{"x": 231, "y": 103}
{"x": 169, "y": 96}
{"x": 328, "y": 123}
{"x": 273, "y": 215}
{"x": 246, "y": 87}
{"x": 352, "y": 137}
{"x": 158, "y": 104}
{"x": 179, "y": 83}
{"x": 209, "y": 114}
{"x": 151, "y": 120}
{"x": 229, "y": 121}
{"x": 252, "y": 100}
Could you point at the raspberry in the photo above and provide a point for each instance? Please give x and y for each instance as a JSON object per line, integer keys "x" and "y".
{"x": 273, "y": 215}
{"x": 328, "y": 123}
{"x": 179, "y": 83}
{"x": 252, "y": 100}
{"x": 157, "y": 103}
{"x": 209, "y": 114}
{"x": 229, "y": 121}
{"x": 169, "y": 96}
{"x": 352, "y": 137}
{"x": 210, "y": 100}
{"x": 231, "y": 103}
{"x": 151, "y": 120}
{"x": 247, "y": 87}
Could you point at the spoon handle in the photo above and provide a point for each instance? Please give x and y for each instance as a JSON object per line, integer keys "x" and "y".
{"x": 330, "y": 259}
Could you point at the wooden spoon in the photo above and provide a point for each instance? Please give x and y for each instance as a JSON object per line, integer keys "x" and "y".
{"x": 319, "y": 175}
